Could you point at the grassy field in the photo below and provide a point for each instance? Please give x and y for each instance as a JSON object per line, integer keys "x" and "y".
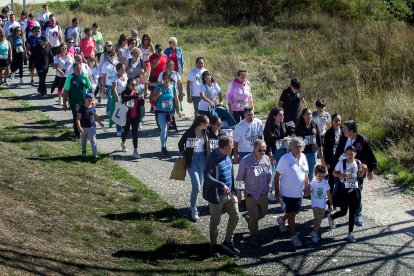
{"x": 359, "y": 59}
{"x": 64, "y": 214}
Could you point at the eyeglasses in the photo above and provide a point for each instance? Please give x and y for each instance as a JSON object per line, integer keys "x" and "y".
{"x": 134, "y": 84}
{"x": 146, "y": 39}
{"x": 70, "y": 42}
{"x": 39, "y": 32}
{"x": 76, "y": 68}
{"x": 219, "y": 125}
{"x": 111, "y": 55}
{"x": 261, "y": 150}
{"x": 167, "y": 79}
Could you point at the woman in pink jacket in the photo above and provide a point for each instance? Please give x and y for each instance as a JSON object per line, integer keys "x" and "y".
{"x": 239, "y": 95}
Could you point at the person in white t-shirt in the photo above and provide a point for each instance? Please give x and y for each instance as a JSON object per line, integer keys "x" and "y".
{"x": 53, "y": 33}
{"x": 108, "y": 72}
{"x": 291, "y": 180}
{"x": 209, "y": 91}
{"x": 12, "y": 23}
{"x": 321, "y": 118}
{"x": 44, "y": 15}
{"x": 320, "y": 190}
{"x": 245, "y": 134}
{"x": 194, "y": 83}
{"x": 74, "y": 31}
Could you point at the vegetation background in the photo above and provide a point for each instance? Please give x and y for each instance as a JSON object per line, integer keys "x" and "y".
{"x": 356, "y": 54}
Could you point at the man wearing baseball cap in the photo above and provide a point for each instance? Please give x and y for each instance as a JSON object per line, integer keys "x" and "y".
{"x": 41, "y": 56}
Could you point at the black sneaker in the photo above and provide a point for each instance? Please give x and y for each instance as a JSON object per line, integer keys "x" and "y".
{"x": 165, "y": 152}
{"x": 152, "y": 110}
{"x": 229, "y": 247}
{"x": 215, "y": 251}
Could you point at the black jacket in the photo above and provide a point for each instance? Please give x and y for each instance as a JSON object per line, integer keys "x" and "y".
{"x": 188, "y": 152}
{"x": 127, "y": 95}
{"x": 302, "y": 131}
{"x": 41, "y": 57}
{"x": 276, "y": 132}
{"x": 213, "y": 138}
{"x": 363, "y": 148}
{"x": 328, "y": 146}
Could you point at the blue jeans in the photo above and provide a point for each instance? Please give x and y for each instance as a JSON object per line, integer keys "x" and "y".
{"x": 311, "y": 158}
{"x": 162, "y": 121}
{"x": 277, "y": 154}
{"x": 196, "y": 172}
{"x": 359, "y": 206}
{"x": 108, "y": 96}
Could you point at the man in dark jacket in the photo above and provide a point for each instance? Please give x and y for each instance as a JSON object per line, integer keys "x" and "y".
{"x": 41, "y": 56}
{"x": 364, "y": 154}
{"x": 218, "y": 190}
{"x": 292, "y": 102}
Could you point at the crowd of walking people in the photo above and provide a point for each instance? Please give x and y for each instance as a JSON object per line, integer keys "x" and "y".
{"x": 297, "y": 152}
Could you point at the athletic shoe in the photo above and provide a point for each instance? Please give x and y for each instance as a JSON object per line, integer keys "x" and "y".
{"x": 152, "y": 110}
{"x": 6, "y": 82}
{"x": 229, "y": 247}
{"x": 119, "y": 133}
{"x": 136, "y": 155}
{"x": 359, "y": 222}
{"x": 21, "y": 81}
{"x": 351, "y": 237}
{"x": 271, "y": 197}
{"x": 331, "y": 221}
{"x": 314, "y": 237}
{"x": 123, "y": 147}
{"x": 60, "y": 101}
{"x": 215, "y": 251}
{"x": 194, "y": 214}
{"x": 12, "y": 76}
{"x": 282, "y": 224}
{"x": 44, "y": 96}
{"x": 99, "y": 99}
{"x": 165, "y": 152}
{"x": 139, "y": 126}
{"x": 32, "y": 83}
{"x": 295, "y": 241}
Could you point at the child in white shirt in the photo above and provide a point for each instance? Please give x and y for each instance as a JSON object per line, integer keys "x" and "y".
{"x": 319, "y": 191}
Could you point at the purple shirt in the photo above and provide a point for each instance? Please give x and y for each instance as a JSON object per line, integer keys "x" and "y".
{"x": 256, "y": 174}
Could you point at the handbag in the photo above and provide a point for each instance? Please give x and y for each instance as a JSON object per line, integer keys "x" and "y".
{"x": 179, "y": 170}
{"x": 120, "y": 113}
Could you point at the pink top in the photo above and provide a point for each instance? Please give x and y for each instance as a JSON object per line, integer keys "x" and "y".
{"x": 239, "y": 95}
{"x": 87, "y": 46}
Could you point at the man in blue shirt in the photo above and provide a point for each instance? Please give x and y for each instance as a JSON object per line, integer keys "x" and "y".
{"x": 218, "y": 190}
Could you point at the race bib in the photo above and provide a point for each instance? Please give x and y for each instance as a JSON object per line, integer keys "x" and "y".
{"x": 166, "y": 103}
{"x": 239, "y": 185}
{"x": 350, "y": 183}
{"x": 228, "y": 131}
{"x": 192, "y": 143}
{"x": 213, "y": 144}
{"x": 310, "y": 140}
{"x": 19, "y": 49}
{"x": 260, "y": 170}
{"x": 4, "y": 56}
{"x": 290, "y": 124}
{"x": 241, "y": 104}
{"x": 281, "y": 144}
{"x": 130, "y": 103}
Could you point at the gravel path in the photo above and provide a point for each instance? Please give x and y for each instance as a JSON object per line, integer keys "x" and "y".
{"x": 385, "y": 244}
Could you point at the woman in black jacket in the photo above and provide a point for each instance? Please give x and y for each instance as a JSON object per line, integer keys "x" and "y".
{"x": 214, "y": 131}
{"x": 309, "y": 132}
{"x": 364, "y": 154}
{"x": 134, "y": 100}
{"x": 194, "y": 146}
{"x": 332, "y": 137}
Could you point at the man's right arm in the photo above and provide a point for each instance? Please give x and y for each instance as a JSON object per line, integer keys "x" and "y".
{"x": 189, "y": 100}
{"x": 209, "y": 173}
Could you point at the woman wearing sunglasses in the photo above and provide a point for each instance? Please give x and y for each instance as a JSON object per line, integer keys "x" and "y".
{"x": 18, "y": 43}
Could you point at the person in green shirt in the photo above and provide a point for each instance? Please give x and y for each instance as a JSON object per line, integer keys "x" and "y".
{"x": 74, "y": 90}
{"x": 99, "y": 40}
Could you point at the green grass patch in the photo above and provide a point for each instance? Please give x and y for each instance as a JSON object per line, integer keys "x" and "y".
{"x": 86, "y": 217}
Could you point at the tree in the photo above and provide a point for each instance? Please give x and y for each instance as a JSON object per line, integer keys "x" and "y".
{"x": 402, "y": 13}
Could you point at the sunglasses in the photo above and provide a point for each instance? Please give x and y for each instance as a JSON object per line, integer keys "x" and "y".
{"x": 261, "y": 150}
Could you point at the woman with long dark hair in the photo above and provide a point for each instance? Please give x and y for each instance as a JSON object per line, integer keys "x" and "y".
{"x": 209, "y": 91}
{"x": 194, "y": 146}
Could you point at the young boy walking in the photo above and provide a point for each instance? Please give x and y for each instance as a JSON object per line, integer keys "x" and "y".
{"x": 319, "y": 191}
{"x": 85, "y": 122}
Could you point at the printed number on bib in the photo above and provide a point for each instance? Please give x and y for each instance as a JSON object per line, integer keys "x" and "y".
{"x": 191, "y": 143}
{"x": 19, "y": 49}
{"x": 239, "y": 185}
{"x": 281, "y": 144}
{"x": 213, "y": 144}
{"x": 351, "y": 183}
{"x": 310, "y": 140}
{"x": 260, "y": 170}
{"x": 130, "y": 103}
{"x": 167, "y": 104}
{"x": 241, "y": 103}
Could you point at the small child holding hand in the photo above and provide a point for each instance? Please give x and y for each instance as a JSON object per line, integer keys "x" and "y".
{"x": 320, "y": 189}
{"x": 85, "y": 122}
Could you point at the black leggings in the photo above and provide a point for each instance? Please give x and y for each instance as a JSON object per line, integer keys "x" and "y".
{"x": 351, "y": 201}
{"x": 131, "y": 122}
{"x": 17, "y": 62}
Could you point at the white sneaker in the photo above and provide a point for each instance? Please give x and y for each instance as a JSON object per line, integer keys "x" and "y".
{"x": 351, "y": 237}
{"x": 194, "y": 214}
{"x": 296, "y": 241}
{"x": 119, "y": 133}
{"x": 21, "y": 81}
{"x": 12, "y": 76}
{"x": 314, "y": 237}
{"x": 271, "y": 197}
{"x": 60, "y": 101}
{"x": 282, "y": 224}
{"x": 140, "y": 126}
{"x": 331, "y": 221}
{"x": 136, "y": 155}
{"x": 123, "y": 147}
